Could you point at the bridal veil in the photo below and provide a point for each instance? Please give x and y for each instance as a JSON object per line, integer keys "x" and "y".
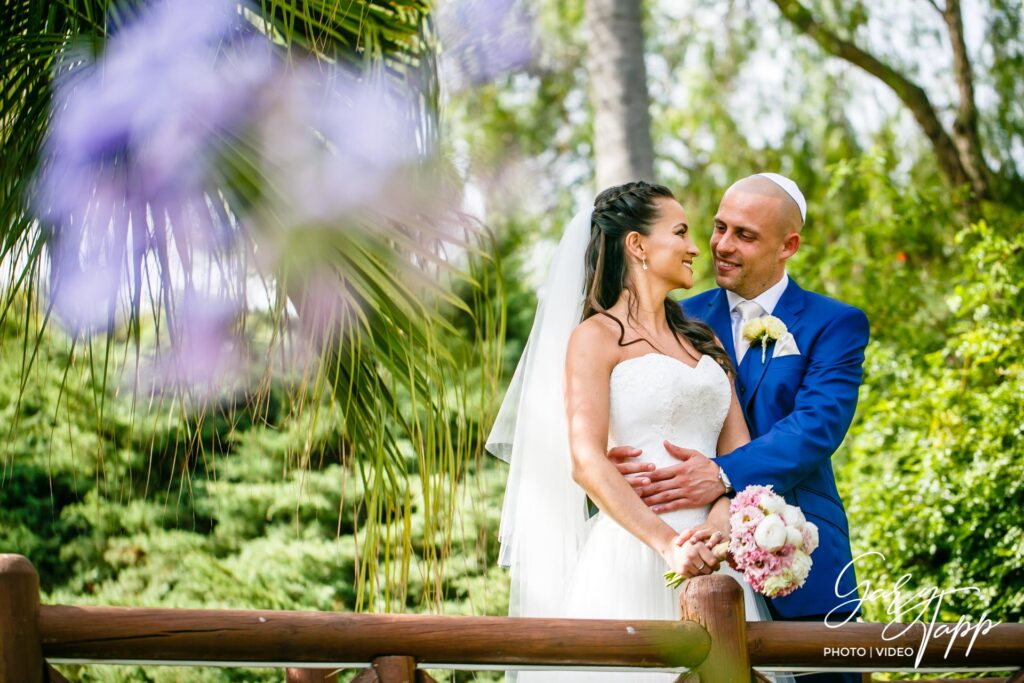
{"x": 544, "y": 513}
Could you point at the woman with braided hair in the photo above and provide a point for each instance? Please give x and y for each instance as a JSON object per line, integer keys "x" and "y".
{"x": 612, "y": 360}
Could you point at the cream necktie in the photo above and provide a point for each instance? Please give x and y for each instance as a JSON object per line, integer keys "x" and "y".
{"x": 748, "y": 311}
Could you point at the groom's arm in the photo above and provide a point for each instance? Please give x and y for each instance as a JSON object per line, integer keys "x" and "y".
{"x": 822, "y": 412}
{"x": 795, "y": 446}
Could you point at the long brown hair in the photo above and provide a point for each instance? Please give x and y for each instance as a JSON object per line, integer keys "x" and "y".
{"x": 618, "y": 211}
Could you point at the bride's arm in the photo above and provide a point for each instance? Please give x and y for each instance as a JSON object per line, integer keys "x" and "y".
{"x": 589, "y": 363}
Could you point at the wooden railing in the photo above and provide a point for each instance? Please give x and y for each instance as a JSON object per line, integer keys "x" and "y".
{"x": 712, "y": 640}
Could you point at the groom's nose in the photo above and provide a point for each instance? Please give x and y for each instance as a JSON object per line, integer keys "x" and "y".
{"x": 724, "y": 243}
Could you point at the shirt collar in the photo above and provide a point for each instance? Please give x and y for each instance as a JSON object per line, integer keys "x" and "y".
{"x": 768, "y": 299}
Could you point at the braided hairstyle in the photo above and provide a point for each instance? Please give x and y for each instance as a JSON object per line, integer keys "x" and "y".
{"x": 618, "y": 211}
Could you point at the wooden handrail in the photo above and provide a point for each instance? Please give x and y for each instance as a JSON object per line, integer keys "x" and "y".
{"x": 188, "y": 635}
{"x": 712, "y": 607}
{"x": 193, "y": 635}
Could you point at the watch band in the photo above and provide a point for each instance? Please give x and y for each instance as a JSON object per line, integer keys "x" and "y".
{"x": 724, "y": 478}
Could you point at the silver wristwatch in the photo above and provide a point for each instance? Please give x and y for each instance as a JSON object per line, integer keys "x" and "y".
{"x": 724, "y": 478}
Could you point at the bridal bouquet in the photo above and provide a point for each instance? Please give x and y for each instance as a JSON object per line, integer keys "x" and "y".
{"x": 770, "y": 543}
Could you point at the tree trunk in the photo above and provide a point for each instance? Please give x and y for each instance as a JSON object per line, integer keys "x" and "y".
{"x": 959, "y": 155}
{"x": 965, "y": 128}
{"x": 618, "y": 92}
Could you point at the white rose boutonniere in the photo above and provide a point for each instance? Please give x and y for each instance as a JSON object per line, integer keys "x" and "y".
{"x": 765, "y": 329}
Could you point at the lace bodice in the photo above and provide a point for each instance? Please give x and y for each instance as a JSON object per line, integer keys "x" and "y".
{"x": 654, "y": 398}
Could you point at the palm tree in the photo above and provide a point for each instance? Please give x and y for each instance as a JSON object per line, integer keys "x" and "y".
{"x": 404, "y": 317}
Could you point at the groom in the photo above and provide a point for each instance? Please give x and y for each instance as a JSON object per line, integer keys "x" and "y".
{"x": 798, "y": 401}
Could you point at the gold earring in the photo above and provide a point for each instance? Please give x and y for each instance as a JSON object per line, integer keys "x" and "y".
{"x": 643, "y": 259}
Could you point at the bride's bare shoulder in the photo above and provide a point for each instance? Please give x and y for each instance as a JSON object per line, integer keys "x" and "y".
{"x": 596, "y": 338}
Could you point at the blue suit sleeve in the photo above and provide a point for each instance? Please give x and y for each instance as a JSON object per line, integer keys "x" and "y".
{"x": 823, "y": 409}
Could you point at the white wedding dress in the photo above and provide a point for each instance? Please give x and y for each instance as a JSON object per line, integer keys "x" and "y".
{"x": 653, "y": 398}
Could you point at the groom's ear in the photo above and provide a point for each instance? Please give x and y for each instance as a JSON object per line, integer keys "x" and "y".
{"x": 790, "y": 245}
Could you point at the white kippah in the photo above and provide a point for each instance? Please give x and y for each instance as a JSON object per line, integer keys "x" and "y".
{"x": 791, "y": 189}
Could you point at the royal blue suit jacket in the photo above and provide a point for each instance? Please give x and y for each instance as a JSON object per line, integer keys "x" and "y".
{"x": 798, "y": 409}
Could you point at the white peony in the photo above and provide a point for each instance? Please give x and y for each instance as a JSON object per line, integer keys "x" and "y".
{"x": 794, "y": 537}
{"x": 801, "y": 566}
{"x": 793, "y": 516}
{"x": 810, "y": 533}
{"x": 770, "y": 533}
{"x": 773, "y": 504}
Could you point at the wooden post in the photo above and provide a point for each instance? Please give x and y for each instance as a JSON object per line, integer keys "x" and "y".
{"x": 395, "y": 669}
{"x": 21, "y": 654}
{"x": 311, "y": 676}
{"x": 716, "y": 603}
{"x": 370, "y": 675}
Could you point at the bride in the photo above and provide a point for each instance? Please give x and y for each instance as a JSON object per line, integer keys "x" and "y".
{"x": 612, "y": 360}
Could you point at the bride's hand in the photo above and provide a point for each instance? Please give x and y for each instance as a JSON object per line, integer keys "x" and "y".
{"x": 690, "y": 558}
{"x": 707, "y": 533}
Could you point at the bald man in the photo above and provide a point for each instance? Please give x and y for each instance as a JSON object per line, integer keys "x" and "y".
{"x": 798, "y": 401}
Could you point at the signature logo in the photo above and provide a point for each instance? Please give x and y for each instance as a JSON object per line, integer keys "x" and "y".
{"x": 909, "y": 609}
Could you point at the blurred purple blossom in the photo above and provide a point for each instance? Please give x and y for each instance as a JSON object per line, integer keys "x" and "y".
{"x": 205, "y": 356}
{"x": 483, "y": 39}
{"x": 131, "y": 192}
{"x": 327, "y": 307}
{"x": 133, "y": 136}
{"x": 333, "y": 143}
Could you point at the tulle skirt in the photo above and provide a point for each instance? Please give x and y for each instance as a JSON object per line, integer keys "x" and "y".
{"x": 620, "y": 577}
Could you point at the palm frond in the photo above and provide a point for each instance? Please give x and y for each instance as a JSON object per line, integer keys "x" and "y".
{"x": 392, "y": 365}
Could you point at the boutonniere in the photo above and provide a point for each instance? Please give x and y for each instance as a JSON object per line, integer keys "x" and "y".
{"x": 765, "y": 329}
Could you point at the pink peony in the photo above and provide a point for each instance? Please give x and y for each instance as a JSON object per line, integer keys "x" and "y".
{"x": 750, "y": 497}
{"x": 770, "y": 542}
{"x": 775, "y": 563}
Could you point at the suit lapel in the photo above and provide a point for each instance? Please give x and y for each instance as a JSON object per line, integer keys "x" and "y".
{"x": 752, "y": 369}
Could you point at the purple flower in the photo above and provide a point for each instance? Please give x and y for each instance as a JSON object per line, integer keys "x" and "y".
{"x": 326, "y": 305}
{"x": 130, "y": 184}
{"x": 334, "y": 144}
{"x": 131, "y": 142}
{"x": 205, "y": 355}
{"x": 483, "y": 39}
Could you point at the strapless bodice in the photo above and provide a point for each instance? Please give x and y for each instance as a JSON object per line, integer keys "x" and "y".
{"x": 656, "y": 398}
